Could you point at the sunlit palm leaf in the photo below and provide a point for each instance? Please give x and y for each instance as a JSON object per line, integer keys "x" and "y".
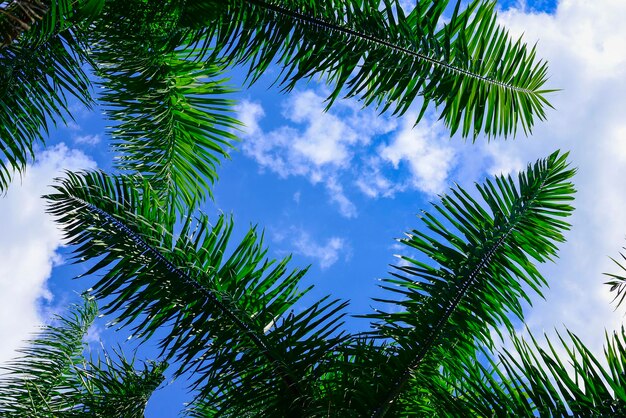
{"x": 40, "y": 381}
{"x": 172, "y": 120}
{"x": 227, "y": 316}
{"x": 563, "y": 379}
{"x": 461, "y": 61}
{"x": 51, "y": 378}
{"x": 483, "y": 268}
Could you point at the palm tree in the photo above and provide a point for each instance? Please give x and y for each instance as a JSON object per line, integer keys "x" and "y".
{"x": 52, "y": 377}
{"x": 232, "y": 330}
{"x": 229, "y": 319}
{"x": 41, "y": 60}
{"x": 229, "y": 324}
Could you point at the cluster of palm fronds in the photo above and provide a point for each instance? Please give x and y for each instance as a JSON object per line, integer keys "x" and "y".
{"x": 226, "y": 314}
{"x": 162, "y": 64}
{"x": 18, "y": 17}
{"x": 52, "y": 377}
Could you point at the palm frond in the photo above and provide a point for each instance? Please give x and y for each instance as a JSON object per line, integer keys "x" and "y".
{"x": 483, "y": 268}
{"x": 228, "y": 319}
{"x": 531, "y": 380}
{"x": 467, "y": 65}
{"x": 52, "y": 378}
{"x": 39, "y": 71}
{"x": 18, "y": 16}
{"x": 42, "y": 19}
{"x": 114, "y": 388}
{"x": 172, "y": 119}
{"x": 618, "y": 281}
{"x": 39, "y": 382}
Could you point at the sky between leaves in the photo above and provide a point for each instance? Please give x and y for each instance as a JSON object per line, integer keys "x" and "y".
{"x": 335, "y": 188}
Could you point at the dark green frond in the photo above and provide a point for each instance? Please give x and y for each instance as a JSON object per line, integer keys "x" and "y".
{"x": 37, "y": 73}
{"x": 40, "y": 382}
{"x": 114, "y": 388}
{"x": 229, "y": 318}
{"x": 18, "y": 16}
{"x": 40, "y": 20}
{"x": 172, "y": 120}
{"x": 482, "y": 267}
{"x": 464, "y": 63}
{"x": 52, "y": 379}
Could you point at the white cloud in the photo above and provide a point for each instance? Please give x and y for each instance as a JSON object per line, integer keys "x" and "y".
{"x": 373, "y": 182}
{"x": 28, "y": 245}
{"x": 325, "y": 147}
{"x": 75, "y": 129}
{"x": 584, "y": 45}
{"x": 332, "y": 137}
{"x": 502, "y": 162}
{"x": 315, "y": 141}
{"x": 346, "y": 208}
{"x": 295, "y": 240}
{"x": 87, "y": 139}
{"x": 326, "y": 138}
{"x": 249, "y": 114}
{"x": 326, "y": 254}
{"x": 314, "y": 144}
{"x": 420, "y": 147}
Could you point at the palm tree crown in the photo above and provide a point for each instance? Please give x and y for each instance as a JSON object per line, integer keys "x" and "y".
{"x": 228, "y": 317}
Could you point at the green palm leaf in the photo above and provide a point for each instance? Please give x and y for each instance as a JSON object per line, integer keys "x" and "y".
{"x": 51, "y": 377}
{"x": 18, "y": 16}
{"x": 114, "y": 388}
{"x": 618, "y": 281}
{"x": 467, "y": 65}
{"x": 531, "y": 380}
{"x": 173, "y": 122}
{"x": 483, "y": 267}
{"x": 39, "y": 71}
{"x": 227, "y": 318}
{"x": 40, "y": 381}
{"x": 42, "y": 19}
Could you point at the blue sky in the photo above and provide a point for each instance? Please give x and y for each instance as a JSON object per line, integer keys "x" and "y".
{"x": 336, "y": 188}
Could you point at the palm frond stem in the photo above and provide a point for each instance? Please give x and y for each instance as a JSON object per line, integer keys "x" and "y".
{"x": 23, "y": 14}
{"x": 443, "y": 319}
{"x": 376, "y": 40}
{"x": 290, "y": 382}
